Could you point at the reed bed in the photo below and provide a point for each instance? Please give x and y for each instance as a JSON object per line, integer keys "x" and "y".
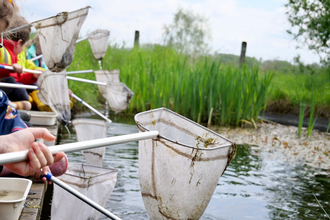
{"x": 161, "y": 77}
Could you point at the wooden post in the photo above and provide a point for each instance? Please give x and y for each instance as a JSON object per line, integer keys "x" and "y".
{"x": 243, "y": 51}
{"x": 136, "y": 39}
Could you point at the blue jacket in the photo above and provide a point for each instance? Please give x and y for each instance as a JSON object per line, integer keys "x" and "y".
{"x": 10, "y": 120}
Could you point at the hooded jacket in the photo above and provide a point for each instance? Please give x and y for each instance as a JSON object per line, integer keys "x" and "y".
{"x": 7, "y": 57}
{"x": 10, "y": 120}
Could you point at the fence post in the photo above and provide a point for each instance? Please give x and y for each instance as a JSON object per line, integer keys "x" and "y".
{"x": 243, "y": 51}
{"x": 136, "y": 39}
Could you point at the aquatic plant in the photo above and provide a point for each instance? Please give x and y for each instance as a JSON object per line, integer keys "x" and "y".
{"x": 302, "y": 108}
{"x": 312, "y": 120}
{"x": 321, "y": 206}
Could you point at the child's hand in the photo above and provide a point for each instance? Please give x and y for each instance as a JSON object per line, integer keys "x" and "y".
{"x": 37, "y": 175}
{"x": 17, "y": 68}
{"x": 36, "y": 76}
{"x": 70, "y": 92}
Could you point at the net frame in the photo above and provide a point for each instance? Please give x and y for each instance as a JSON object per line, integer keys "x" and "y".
{"x": 118, "y": 96}
{"x": 59, "y": 54}
{"x": 179, "y": 170}
{"x": 98, "y": 41}
{"x": 106, "y": 76}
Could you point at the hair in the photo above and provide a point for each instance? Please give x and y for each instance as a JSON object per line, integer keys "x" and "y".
{"x": 19, "y": 34}
{"x": 35, "y": 41}
{"x": 8, "y": 12}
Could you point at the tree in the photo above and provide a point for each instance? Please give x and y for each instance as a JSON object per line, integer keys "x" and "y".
{"x": 310, "y": 21}
{"x": 189, "y": 33}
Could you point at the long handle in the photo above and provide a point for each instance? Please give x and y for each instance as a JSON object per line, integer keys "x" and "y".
{"x": 68, "y": 77}
{"x": 84, "y": 198}
{"x": 18, "y": 86}
{"x": 86, "y": 80}
{"x": 91, "y": 108}
{"x": 80, "y": 71}
{"x": 24, "y": 70}
{"x": 78, "y": 146}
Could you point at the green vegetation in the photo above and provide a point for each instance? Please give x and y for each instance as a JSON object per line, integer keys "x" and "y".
{"x": 160, "y": 76}
{"x": 309, "y": 22}
{"x": 189, "y": 33}
{"x": 301, "y": 118}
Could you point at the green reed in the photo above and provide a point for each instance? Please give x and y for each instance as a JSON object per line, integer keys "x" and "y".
{"x": 302, "y": 108}
{"x": 312, "y": 120}
{"x": 161, "y": 77}
{"x": 321, "y": 206}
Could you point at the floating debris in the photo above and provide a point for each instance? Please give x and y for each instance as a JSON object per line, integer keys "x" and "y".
{"x": 313, "y": 151}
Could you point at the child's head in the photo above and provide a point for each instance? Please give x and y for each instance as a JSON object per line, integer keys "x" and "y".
{"x": 8, "y": 13}
{"x": 35, "y": 41}
{"x": 20, "y": 36}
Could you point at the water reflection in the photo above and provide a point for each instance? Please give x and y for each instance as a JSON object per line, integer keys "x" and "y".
{"x": 256, "y": 185}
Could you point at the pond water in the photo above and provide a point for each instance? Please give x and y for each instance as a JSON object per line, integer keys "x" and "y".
{"x": 256, "y": 185}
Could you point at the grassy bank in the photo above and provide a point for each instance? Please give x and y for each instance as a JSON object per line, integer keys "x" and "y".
{"x": 160, "y": 76}
{"x": 291, "y": 89}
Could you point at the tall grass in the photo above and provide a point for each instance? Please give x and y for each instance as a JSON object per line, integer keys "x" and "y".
{"x": 294, "y": 87}
{"x": 312, "y": 120}
{"x": 161, "y": 77}
{"x": 302, "y": 108}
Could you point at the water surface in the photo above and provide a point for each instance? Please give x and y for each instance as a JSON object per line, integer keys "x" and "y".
{"x": 256, "y": 185}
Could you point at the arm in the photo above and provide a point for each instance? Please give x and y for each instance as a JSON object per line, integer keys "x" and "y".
{"x": 25, "y": 78}
{"x": 4, "y": 72}
{"x": 30, "y": 65}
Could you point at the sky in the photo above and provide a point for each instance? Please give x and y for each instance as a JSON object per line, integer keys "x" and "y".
{"x": 260, "y": 23}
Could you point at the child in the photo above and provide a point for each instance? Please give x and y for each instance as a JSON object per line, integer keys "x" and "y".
{"x": 11, "y": 122}
{"x": 34, "y": 50}
{"x": 22, "y": 139}
{"x": 8, "y": 13}
{"x": 12, "y": 46}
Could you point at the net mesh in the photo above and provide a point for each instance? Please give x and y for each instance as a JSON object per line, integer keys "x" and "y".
{"x": 118, "y": 96}
{"x": 58, "y": 36}
{"x": 106, "y": 76}
{"x": 53, "y": 91}
{"x": 183, "y": 177}
{"x": 90, "y": 129}
{"x": 98, "y": 40}
{"x": 116, "y": 93}
{"x": 97, "y": 183}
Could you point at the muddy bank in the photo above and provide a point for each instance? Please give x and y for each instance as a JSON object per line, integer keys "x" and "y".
{"x": 285, "y": 112}
{"x": 293, "y": 120}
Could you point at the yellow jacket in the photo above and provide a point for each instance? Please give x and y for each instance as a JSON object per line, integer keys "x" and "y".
{"x": 25, "y": 63}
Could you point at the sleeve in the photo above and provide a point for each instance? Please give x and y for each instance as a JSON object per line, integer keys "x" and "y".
{"x": 11, "y": 121}
{"x": 4, "y": 72}
{"x": 18, "y": 123}
{"x": 30, "y": 65}
{"x": 24, "y": 78}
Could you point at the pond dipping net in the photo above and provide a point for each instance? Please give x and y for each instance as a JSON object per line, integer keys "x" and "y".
{"x": 58, "y": 36}
{"x": 90, "y": 129}
{"x": 53, "y": 91}
{"x": 117, "y": 94}
{"x": 179, "y": 170}
{"x": 98, "y": 40}
{"x": 97, "y": 183}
